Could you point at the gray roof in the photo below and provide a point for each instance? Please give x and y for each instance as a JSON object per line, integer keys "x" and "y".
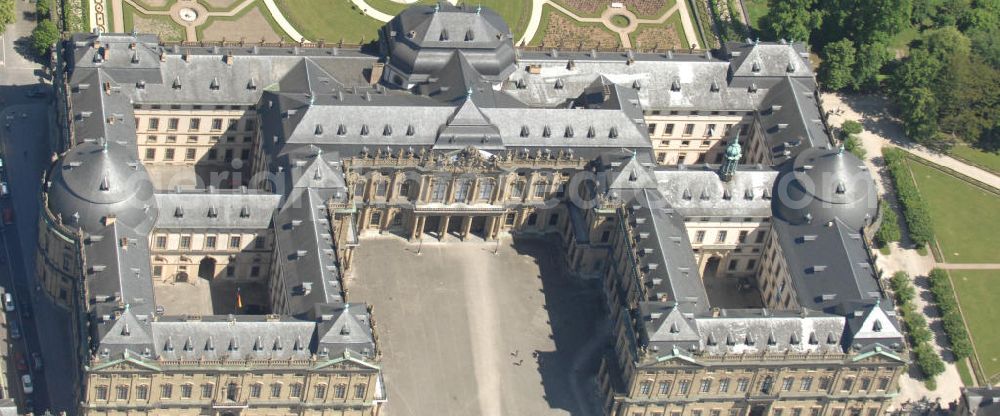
{"x": 422, "y": 39}
{"x": 699, "y": 192}
{"x": 701, "y": 83}
{"x": 763, "y": 62}
{"x": 756, "y": 331}
{"x": 824, "y": 185}
{"x": 93, "y": 181}
{"x": 790, "y": 118}
{"x": 216, "y": 210}
{"x": 306, "y": 256}
{"x": 343, "y": 327}
{"x": 236, "y": 338}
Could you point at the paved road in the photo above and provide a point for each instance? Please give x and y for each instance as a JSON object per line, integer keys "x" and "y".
{"x": 25, "y": 148}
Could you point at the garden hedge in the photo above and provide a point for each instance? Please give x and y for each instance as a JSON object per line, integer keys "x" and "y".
{"x": 915, "y": 211}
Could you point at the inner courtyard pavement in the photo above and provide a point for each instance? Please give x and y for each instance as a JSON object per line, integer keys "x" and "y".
{"x": 465, "y": 331}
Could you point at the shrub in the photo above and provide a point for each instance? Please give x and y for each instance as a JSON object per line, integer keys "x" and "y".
{"x": 889, "y": 230}
{"x": 915, "y": 210}
{"x": 43, "y": 9}
{"x": 929, "y": 360}
{"x": 902, "y": 288}
{"x": 853, "y": 145}
{"x": 44, "y": 35}
{"x": 850, "y": 128}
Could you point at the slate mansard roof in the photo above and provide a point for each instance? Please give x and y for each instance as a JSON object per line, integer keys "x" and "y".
{"x": 470, "y": 87}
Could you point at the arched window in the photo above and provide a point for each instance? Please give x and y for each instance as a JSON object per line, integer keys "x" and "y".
{"x": 121, "y": 393}
{"x": 295, "y": 390}
{"x": 340, "y": 391}
{"x": 142, "y": 392}
{"x": 255, "y": 390}
{"x": 276, "y": 390}
{"x": 359, "y": 391}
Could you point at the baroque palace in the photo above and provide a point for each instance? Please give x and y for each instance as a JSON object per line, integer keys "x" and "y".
{"x": 663, "y": 173}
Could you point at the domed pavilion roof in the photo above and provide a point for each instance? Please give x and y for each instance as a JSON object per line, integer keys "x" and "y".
{"x": 825, "y": 184}
{"x": 93, "y": 181}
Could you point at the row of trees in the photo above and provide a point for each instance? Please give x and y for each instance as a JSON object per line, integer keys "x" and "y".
{"x": 928, "y": 360}
{"x": 915, "y": 210}
{"x": 951, "y": 317}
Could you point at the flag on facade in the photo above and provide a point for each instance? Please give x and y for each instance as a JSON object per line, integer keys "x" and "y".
{"x": 239, "y": 299}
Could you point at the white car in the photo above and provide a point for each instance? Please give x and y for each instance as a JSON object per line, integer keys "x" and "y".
{"x": 8, "y": 302}
{"x": 26, "y": 382}
{"x": 4, "y": 191}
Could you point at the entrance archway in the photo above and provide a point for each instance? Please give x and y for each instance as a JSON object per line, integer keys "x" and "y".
{"x": 712, "y": 266}
{"x": 206, "y": 269}
{"x": 182, "y": 277}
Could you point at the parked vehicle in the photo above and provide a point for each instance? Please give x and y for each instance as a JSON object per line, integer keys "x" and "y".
{"x": 4, "y": 190}
{"x": 1, "y": 162}
{"x": 8, "y": 302}
{"x": 15, "y": 331}
{"x": 26, "y": 382}
{"x": 36, "y": 361}
{"x": 19, "y": 362}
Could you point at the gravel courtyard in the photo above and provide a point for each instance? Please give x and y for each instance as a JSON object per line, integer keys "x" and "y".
{"x": 464, "y": 331}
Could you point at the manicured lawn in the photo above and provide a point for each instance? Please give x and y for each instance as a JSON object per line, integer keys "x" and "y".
{"x": 986, "y": 160}
{"x": 977, "y": 292}
{"x": 333, "y": 20}
{"x": 330, "y": 20}
{"x": 756, "y": 9}
{"x": 964, "y": 216}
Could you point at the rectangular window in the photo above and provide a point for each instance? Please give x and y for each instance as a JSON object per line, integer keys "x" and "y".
{"x": 245, "y": 154}
{"x": 751, "y": 264}
{"x": 359, "y": 391}
{"x": 883, "y": 383}
{"x": 275, "y": 390}
{"x": 664, "y": 388}
{"x": 166, "y": 391}
{"x": 157, "y": 271}
{"x": 259, "y": 241}
{"x": 216, "y": 124}
{"x": 710, "y": 131}
{"x": 168, "y": 154}
{"x": 213, "y": 154}
{"x": 150, "y": 154}
{"x": 688, "y": 129}
{"x": 255, "y": 271}
{"x": 154, "y": 123}
{"x": 699, "y": 236}
{"x": 150, "y": 139}
{"x": 194, "y": 124}
{"x": 786, "y": 384}
{"x": 234, "y": 241}
{"x": 706, "y": 385}
{"x": 255, "y": 391}
{"x": 645, "y": 387}
{"x": 743, "y": 236}
{"x": 187, "y": 391}
{"x": 381, "y": 188}
{"x": 733, "y": 264}
{"x": 669, "y": 130}
{"x": 721, "y": 237}
{"x": 742, "y": 385}
{"x": 340, "y": 391}
{"x": 296, "y": 390}
{"x": 249, "y": 125}
{"x": 848, "y": 384}
{"x": 652, "y": 128}
{"x": 866, "y": 383}
{"x": 210, "y": 241}
{"x": 206, "y": 391}
{"x": 540, "y": 189}
{"x": 486, "y": 189}
{"x": 724, "y": 385}
{"x": 161, "y": 241}
{"x": 462, "y": 190}
{"x": 189, "y": 153}
{"x": 142, "y": 392}
{"x": 685, "y": 385}
{"x": 101, "y": 392}
{"x": 171, "y": 139}
{"x": 192, "y": 140}
{"x": 232, "y": 124}
{"x": 760, "y": 237}
{"x": 806, "y": 384}
{"x": 185, "y": 241}
{"x": 517, "y": 190}
{"x": 172, "y": 123}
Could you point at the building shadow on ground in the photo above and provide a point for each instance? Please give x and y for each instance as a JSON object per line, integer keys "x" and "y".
{"x": 578, "y": 319}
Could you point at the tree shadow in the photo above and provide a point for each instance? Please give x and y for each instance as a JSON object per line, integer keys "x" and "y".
{"x": 579, "y": 326}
